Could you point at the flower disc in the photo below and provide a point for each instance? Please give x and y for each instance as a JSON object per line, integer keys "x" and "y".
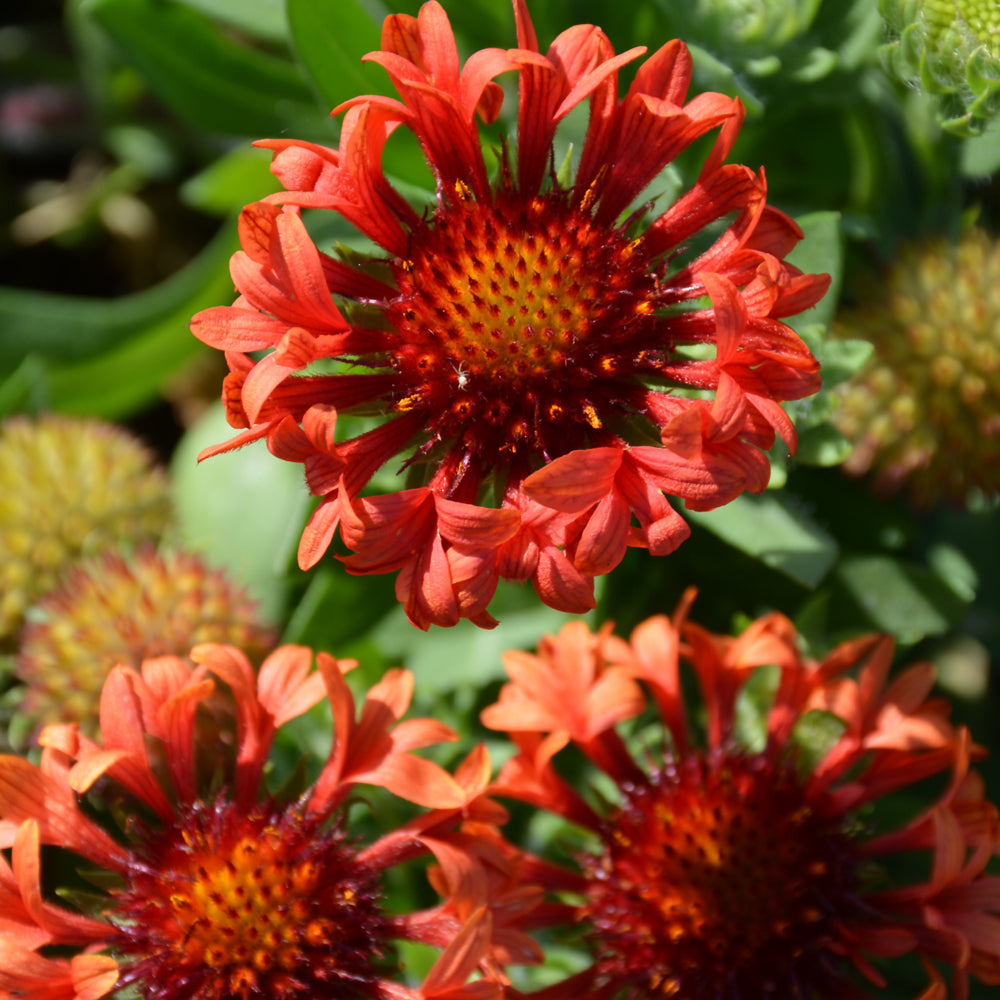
{"x": 267, "y": 904}
{"x": 717, "y": 880}
{"x": 523, "y": 323}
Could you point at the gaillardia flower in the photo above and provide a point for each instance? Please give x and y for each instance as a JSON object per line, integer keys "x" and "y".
{"x": 68, "y": 488}
{"x": 122, "y": 609}
{"x": 546, "y": 355}
{"x": 753, "y": 858}
{"x": 924, "y": 414}
{"x": 217, "y": 889}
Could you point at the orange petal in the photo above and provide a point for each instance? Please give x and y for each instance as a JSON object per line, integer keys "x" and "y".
{"x": 94, "y": 976}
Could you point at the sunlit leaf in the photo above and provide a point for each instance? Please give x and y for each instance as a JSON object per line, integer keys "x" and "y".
{"x": 770, "y": 528}
{"x": 906, "y": 600}
{"x": 260, "y": 18}
{"x": 823, "y": 446}
{"x": 821, "y": 251}
{"x": 239, "y": 177}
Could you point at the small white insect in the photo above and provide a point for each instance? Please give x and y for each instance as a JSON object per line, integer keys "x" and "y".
{"x": 463, "y": 375}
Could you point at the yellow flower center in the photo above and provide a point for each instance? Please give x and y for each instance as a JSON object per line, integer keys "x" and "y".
{"x": 524, "y": 319}
{"x": 269, "y": 904}
{"x": 249, "y": 911}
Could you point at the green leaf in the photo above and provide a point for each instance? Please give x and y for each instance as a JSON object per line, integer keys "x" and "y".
{"x": 337, "y": 609}
{"x": 820, "y": 252}
{"x": 859, "y": 27}
{"x": 204, "y": 75}
{"x": 330, "y": 37}
{"x": 906, "y": 600}
{"x": 816, "y": 733}
{"x": 122, "y": 382}
{"x": 752, "y": 705}
{"x": 19, "y": 391}
{"x": 242, "y": 510}
{"x": 955, "y": 570}
{"x": 823, "y": 446}
{"x": 260, "y": 18}
{"x": 768, "y": 527}
{"x": 840, "y": 359}
{"x": 69, "y": 329}
{"x": 453, "y": 658}
{"x": 979, "y": 156}
{"x": 815, "y": 64}
{"x": 238, "y": 178}
{"x": 711, "y": 73}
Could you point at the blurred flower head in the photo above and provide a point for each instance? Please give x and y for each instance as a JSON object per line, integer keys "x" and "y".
{"x": 750, "y": 33}
{"x": 123, "y": 609}
{"x": 69, "y": 487}
{"x": 924, "y": 414}
{"x": 547, "y": 355}
{"x": 216, "y": 888}
{"x": 761, "y": 854}
{"x": 951, "y": 50}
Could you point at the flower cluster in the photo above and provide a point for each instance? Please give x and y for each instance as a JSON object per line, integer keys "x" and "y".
{"x": 558, "y": 357}
{"x": 754, "y": 860}
{"x": 750, "y": 856}
{"x": 218, "y": 889}
{"x": 924, "y": 415}
{"x": 549, "y": 356}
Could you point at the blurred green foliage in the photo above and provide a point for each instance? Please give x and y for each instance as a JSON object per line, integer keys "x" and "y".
{"x": 126, "y": 130}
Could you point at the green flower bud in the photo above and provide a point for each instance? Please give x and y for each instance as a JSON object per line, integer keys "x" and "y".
{"x": 951, "y": 49}
{"x": 124, "y": 609}
{"x": 924, "y": 414}
{"x": 68, "y": 488}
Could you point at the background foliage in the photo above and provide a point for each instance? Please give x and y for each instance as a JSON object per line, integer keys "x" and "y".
{"x": 125, "y": 131}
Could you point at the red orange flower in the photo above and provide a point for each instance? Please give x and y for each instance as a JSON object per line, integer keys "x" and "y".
{"x": 217, "y": 889}
{"x": 547, "y": 356}
{"x": 757, "y": 860}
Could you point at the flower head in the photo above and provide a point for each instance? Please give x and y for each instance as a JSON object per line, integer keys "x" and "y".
{"x": 217, "y": 888}
{"x": 545, "y": 357}
{"x": 753, "y": 859}
{"x": 69, "y": 487}
{"x": 125, "y": 608}
{"x": 950, "y": 49}
{"x": 924, "y": 414}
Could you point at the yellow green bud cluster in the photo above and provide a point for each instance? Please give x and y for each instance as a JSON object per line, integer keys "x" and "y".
{"x": 124, "y": 609}
{"x": 69, "y": 488}
{"x": 924, "y": 413}
{"x": 951, "y": 49}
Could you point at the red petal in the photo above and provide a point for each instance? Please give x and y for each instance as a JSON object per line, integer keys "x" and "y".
{"x": 318, "y": 532}
{"x": 424, "y": 586}
{"x": 561, "y": 585}
{"x": 575, "y": 481}
{"x": 474, "y": 527}
{"x": 602, "y": 545}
